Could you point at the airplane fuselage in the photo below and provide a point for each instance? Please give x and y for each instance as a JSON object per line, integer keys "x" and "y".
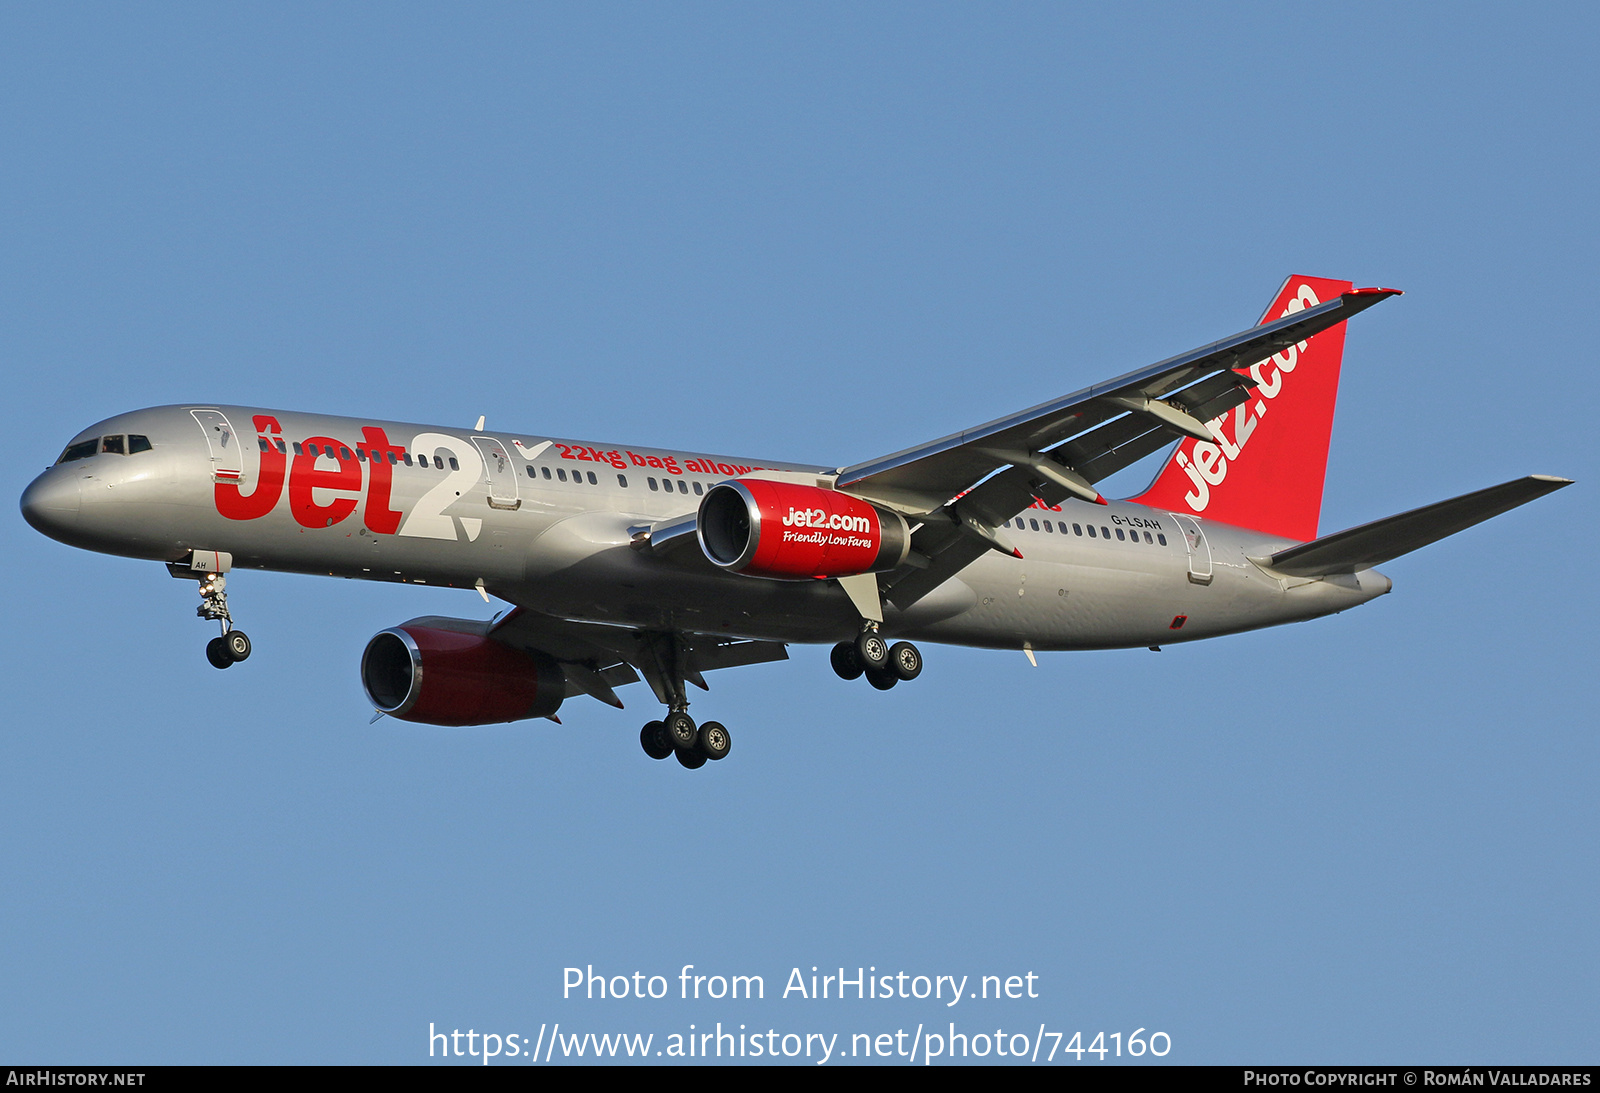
{"x": 554, "y": 525}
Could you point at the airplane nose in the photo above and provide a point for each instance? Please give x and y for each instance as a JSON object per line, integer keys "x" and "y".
{"x": 50, "y": 503}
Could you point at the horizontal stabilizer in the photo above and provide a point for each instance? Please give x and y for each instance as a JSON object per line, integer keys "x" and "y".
{"x": 1375, "y": 543}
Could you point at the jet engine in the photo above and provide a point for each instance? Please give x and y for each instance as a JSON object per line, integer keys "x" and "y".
{"x": 448, "y": 677}
{"x": 791, "y": 532}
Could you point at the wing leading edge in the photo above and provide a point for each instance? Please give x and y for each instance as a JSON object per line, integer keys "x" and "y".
{"x": 1174, "y": 397}
{"x": 1059, "y": 449}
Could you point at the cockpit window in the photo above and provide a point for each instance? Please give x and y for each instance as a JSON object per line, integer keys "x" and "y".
{"x": 80, "y": 451}
{"x": 116, "y": 444}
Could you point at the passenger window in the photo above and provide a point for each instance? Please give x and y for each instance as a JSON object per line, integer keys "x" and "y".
{"x": 344, "y": 453}
{"x": 1147, "y": 538}
{"x": 622, "y": 480}
{"x": 393, "y": 459}
{"x": 653, "y": 486}
{"x": 1077, "y": 529}
{"x": 137, "y": 444}
{"x": 1162, "y": 539}
{"x": 1035, "y": 524}
{"x": 1105, "y": 532}
{"x": 697, "y": 490}
{"x": 361, "y": 455}
{"x": 1119, "y": 535}
{"x": 531, "y": 472}
{"x": 1047, "y": 526}
{"x": 546, "y": 472}
{"x": 1091, "y": 531}
{"x": 1063, "y": 528}
{"x": 297, "y": 448}
{"x": 278, "y": 441}
{"x": 438, "y": 463}
{"x": 593, "y": 481}
{"x": 683, "y": 487}
{"x": 561, "y": 473}
{"x": 263, "y": 442}
{"x": 407, "y": 459}
{"x": 455, "y": 466}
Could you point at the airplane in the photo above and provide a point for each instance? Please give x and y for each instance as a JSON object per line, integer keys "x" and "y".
{"x": 622, "y": 561}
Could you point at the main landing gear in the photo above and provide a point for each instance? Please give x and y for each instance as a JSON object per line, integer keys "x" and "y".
{"x": 678, "y": 735}
{"x": 883, "y": 664}
{"x": 231, "y": 646}
{"x": 667, "y": 666}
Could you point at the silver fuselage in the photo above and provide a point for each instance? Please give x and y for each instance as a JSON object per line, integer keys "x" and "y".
{"x": 493, "y": 508}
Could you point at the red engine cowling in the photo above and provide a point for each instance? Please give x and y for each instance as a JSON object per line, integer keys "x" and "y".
{"x": 790, "y": 532}
{"x": 446, "y": 677}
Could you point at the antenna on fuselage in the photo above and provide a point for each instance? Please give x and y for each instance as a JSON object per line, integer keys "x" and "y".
{"x": 478, "y": 428}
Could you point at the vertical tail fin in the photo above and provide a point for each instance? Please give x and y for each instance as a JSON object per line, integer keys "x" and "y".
{"x": 1266, "y": 466}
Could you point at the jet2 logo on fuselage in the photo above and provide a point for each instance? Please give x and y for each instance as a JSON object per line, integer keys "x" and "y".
{"x": 321, "y": 496}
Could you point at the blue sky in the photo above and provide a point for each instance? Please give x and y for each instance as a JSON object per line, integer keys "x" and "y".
{"x": 819, "y": 233}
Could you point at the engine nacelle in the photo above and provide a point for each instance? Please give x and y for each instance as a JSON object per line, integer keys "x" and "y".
{"x": 448, "y": 677}
{"x": 790, "y": 532}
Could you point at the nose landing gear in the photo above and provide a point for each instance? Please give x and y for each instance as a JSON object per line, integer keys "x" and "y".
{"x": 232, "y": 645}
{"x": 210, "y": 568}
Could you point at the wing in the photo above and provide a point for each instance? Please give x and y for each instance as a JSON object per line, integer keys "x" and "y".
{"x": 598, "y": 658}
{"x": 1059, "y": 449}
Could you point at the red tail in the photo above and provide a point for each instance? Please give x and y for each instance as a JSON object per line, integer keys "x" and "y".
{"x": 1265, "y": 469}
